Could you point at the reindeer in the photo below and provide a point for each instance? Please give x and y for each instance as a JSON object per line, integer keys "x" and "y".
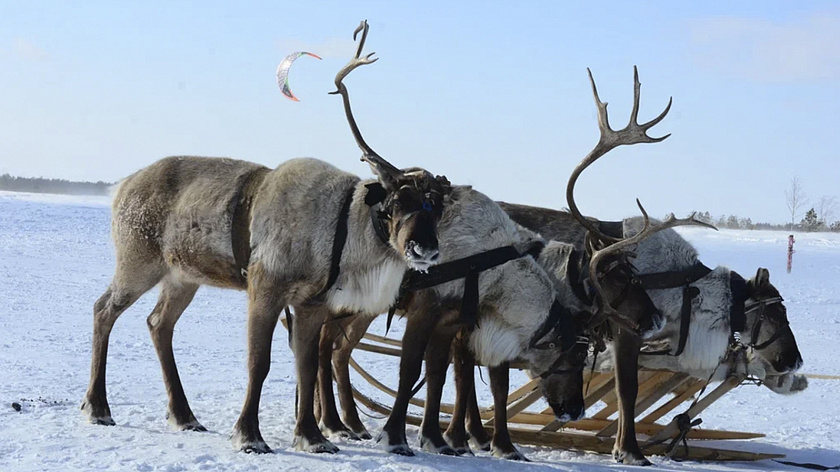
{"x": 278, "y": 234}
{"x": 718, "y": 302}
{"x": 510, "y": 326}
{"x": 624, "y": 287}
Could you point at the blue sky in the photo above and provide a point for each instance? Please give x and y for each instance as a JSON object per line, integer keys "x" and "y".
{"x": 492, "y": 94}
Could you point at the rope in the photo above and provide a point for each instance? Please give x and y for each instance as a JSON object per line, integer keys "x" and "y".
{"x": 808, "y": 465}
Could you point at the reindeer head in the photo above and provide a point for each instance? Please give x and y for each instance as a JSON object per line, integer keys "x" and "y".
{"x": 766, "y": 330}
{"x": 411, "y": 200}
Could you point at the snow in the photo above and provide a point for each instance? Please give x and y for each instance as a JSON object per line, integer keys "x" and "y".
{"x": 56, "y": 258}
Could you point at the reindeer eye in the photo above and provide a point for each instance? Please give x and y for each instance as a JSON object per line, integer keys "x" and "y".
{"x": 427, "y": 205}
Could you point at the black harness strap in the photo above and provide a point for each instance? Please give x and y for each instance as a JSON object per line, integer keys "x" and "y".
{"x": 756, "y": 331}
{"x": 460, "y": 268}
{"x": 467, "y": 268}
{"x": 675, "y": 279}
{"x": 338, "y": 242}
{"x": 374, "y": 197}
{"x": 239, "y": 208}
{"x": 557, "y": 315}
{"x": 689, "y": 294}
{"x": 740, "y": 294}
{"x": 576, "y": 277}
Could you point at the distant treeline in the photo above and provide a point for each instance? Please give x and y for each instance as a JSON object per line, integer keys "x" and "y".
{"x": 810, "y": 223}
{"x": 42, "y": 185}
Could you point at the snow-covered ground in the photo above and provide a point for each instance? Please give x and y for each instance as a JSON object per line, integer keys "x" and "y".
{"x": 56, "y": 258}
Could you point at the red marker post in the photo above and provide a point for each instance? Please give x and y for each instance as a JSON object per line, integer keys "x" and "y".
{"x": 790, "y": 253}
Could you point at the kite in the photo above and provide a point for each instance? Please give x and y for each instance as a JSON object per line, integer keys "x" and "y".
{"x": 283, "y": 72}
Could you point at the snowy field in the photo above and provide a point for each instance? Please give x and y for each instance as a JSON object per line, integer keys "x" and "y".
{"x": 56, "y": 258}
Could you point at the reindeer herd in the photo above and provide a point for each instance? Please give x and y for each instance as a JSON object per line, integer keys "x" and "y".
{"x": 478, "y": 281}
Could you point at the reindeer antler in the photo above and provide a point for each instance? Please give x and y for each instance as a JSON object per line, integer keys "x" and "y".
{"x": 670, "y": 222}
{"x": 368, "y": 154}
{"x": 610, "y": 139}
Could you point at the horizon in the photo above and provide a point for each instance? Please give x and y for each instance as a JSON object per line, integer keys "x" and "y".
{"x": 490, "y": 96}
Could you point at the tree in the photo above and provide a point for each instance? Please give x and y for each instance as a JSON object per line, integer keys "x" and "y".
{"x": 746, "y": 223}
{"x": 810, "y": 222}
{"x": 795, "y": 198}
{"x": 732, "y": 222}
{"x": 826, "y": 209}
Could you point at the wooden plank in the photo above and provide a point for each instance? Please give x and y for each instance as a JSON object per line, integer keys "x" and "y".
{"x": 516, "y": 407}
{"x": 520, "y": 392}
{"x": 383, "y": 340}
{"x": 688, "y": 390}
{"x": 591, "y": 424}
{"x": 388, "y": 351}
{"x": 647, "y": 381}
{"x": 646, "y": 400}
{"x": 584, "y": 442}
{"x": 726, "y": 386}
{"x": 597, "y": 393}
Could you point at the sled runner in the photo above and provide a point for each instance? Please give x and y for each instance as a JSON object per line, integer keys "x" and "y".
{"x": 596, "y": 432}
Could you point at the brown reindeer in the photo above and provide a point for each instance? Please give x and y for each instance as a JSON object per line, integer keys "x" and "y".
{"x": 187, "y": 221}
{"x": 720, "y": 295}
{"x": 637, "y": 306}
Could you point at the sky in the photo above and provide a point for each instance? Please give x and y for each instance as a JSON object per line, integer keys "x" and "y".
{"x": 491, "y": 94}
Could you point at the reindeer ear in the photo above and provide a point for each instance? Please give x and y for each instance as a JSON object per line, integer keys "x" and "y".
{"x": 388, "y": 177}
{"x": 762, "y": 278}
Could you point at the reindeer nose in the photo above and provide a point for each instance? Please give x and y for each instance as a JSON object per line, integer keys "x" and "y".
{"x": 418, "y": 252}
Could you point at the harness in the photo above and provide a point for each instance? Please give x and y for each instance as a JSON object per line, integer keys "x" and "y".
{"x": 675, "y": 279}
{"x": 467, "y": 268}
{"x": 762, "y": 305}
{"x": 737, "y": 313}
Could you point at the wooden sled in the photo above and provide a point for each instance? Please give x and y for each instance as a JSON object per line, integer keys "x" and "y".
{"x": 595, "y": 433}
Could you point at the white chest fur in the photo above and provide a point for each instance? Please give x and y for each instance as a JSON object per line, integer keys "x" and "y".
{"x": 371, "y": 292}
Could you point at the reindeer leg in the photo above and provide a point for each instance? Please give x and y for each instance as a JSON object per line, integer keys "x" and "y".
{"x": 308, "y": 323}
{"x": 626, "y": 359}
{"x": 437, "y": 362}
{"x": 456, "y": 433}
{"x": 502, "y": 445}
{"x": 478, "y": 435}
{"x": 355, "y": 330}
{"x": 263, "y": 313}
{"x": 173, "y": 300}
{"x": 414, "y": 343}
{"x": 124, "y": 290}
{"x": 330, "y": 423}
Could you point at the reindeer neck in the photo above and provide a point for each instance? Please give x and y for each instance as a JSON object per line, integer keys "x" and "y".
{"x": 370, "y": 270}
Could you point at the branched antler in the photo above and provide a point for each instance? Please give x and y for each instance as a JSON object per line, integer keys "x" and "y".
{"x": 598, "y": 255}
{"x": 368, "y": 154}
{"x": 610, "y": 139}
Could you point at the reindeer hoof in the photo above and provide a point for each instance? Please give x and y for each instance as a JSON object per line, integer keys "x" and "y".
{"x": 429, "y": 446}
{"x": 399, "y": 449}
{"x": 629, "y": 458}
{"x": 106, "y": 421}
{"x": 460, "y": 445}
{"x": 464, "y": 451}
{"x": 513, "y": 455}
{"x": 189, "y": 425}
{"x": 364, "y": 435}
{"x": 100, "y": 416}
{"x": 339, "y": 432}
{"x": 316, "y": 447}
{"x": 255, "y": 446}
{"x": 198, "y": 427}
